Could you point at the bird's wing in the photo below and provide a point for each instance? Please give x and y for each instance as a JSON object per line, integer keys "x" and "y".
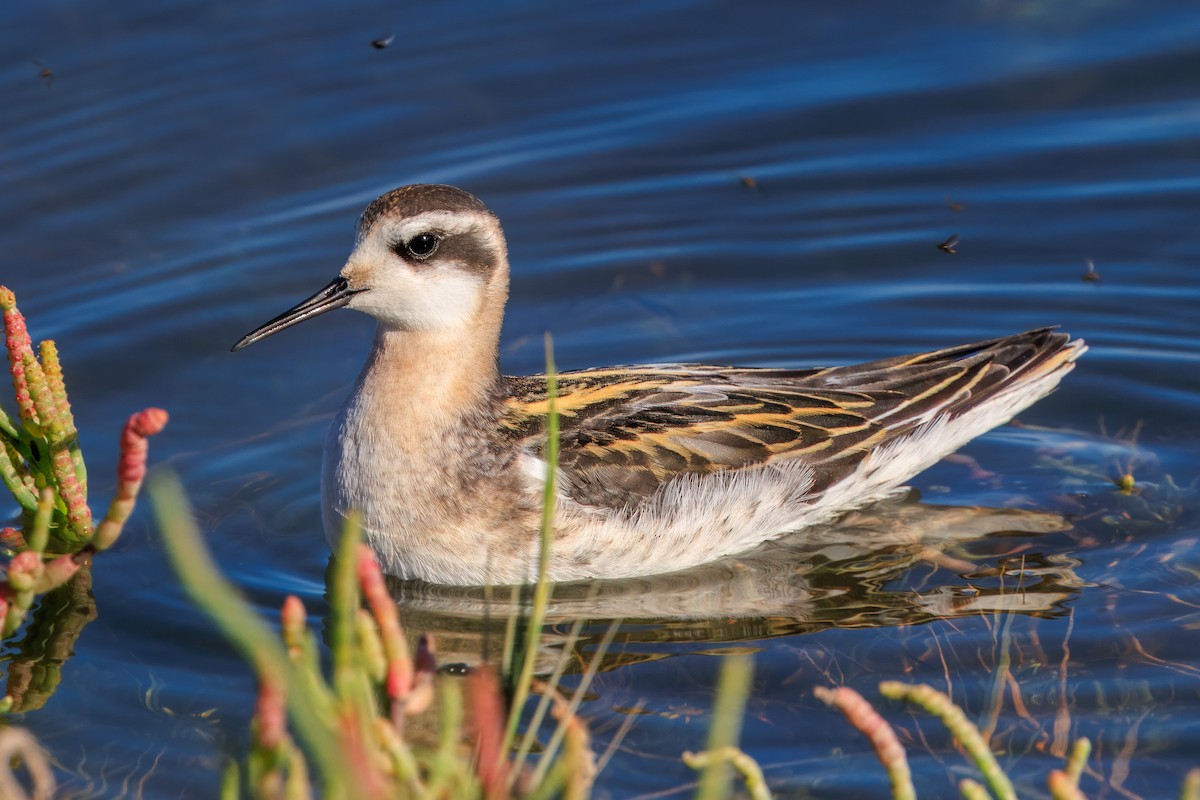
{"x": 626, "y": 430}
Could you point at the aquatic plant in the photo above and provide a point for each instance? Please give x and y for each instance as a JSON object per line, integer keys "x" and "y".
{"x": 352, "y": 720}
{"x": 42, "y": 466}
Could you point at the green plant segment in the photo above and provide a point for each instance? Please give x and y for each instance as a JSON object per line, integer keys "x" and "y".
{"x": 733, "y": 688}
{"x": 866, "y": 720}
{"x": 352, "y": 724}
{"x": 375, "y": 719}
{"x": 1063, "y": 785}
{"x": 42, "y": 466}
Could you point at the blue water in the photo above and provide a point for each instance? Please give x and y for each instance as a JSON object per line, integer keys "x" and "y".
{"x": 193, "y": 169}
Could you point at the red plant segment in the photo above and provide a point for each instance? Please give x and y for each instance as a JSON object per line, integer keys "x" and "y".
{"x": 400, "y": 667}
{"x": 293, "y": 619}
{"x": 131, "y": 469}
{"x": 488, "y": 727}
{"x": 18, "y": 343}
{"x": 888, "y": 750}
{"x": 12, "y": 539}
{"x": 270, "y": 715}
{"x": 52, "y": 370}
{"x": 40, "y": 463}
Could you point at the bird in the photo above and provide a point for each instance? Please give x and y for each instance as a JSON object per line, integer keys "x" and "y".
{"x": 660, "y": 467}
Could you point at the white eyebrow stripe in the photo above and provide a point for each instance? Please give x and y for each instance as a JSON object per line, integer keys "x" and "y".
{"x": 447, "y": 222}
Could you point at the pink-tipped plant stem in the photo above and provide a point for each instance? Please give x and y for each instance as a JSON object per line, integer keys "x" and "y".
{"x": 13, "y": 539}
{"x": 57, "y": 572}
{"x": 57, "y": 388}
{"x": 879, "y": 733}
{"x": 52, "y": 368}
{"x": 370, "y": 647}
{"x": 47, "y": 422}
{"x": 395, "y": 646}
{"x": 294, "y": 624}
{"x": 962, "y": 729}
{"x": 131, "y": 471}
{"x": 270, "y": 716}
{"x": 267, "y": 763}
{"x": 24, "y": 571}
{"x": 27, "y": 571}
{"x": 18, "y": 343}
{"x": 79, "y": 516}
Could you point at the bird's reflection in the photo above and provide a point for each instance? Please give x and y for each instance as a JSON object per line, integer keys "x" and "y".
{"x": 898, "y": 563}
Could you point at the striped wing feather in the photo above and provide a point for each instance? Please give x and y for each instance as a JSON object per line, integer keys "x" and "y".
{"x": 626, "y": 430}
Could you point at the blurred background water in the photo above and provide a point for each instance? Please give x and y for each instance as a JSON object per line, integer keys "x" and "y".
{"x": 758, "y": 185}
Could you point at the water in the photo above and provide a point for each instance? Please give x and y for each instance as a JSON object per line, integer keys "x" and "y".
{"x": 195, "y": 168}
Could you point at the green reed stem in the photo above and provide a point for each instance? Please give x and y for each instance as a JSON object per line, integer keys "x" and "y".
{"x": 552, "y": 785}
{"x": 1061, "y": 787}
{"x": 446, "y": 773}
{"x": 369, "y": 646}
{"x": 299, "y": 785}
{"x": 1002, "y": 635}
{"x": 13, "y": 480}
{"x": 543, "y": 706}
{"x": 1191, "y": 786}
{"x": 972, "y": 790}
{"x": 751, "y": 772}
{"x": 344, "y": 603}
{"x": 541, "y": 592}
{"x": 560, "y": 731}
{"x": 231, "y": 781}
{"x": 39, "y": 536}
{"x": 7, "y": 427}
{"x": 508, "y": 648}
{"x": 733, "y": 687}
{"x": 244, "y": 629}
{"x": 1078, "y": 760}
{"x": 963, "y": 731}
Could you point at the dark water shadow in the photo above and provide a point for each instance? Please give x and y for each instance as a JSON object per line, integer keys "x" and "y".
{"x": 34, "y": 666}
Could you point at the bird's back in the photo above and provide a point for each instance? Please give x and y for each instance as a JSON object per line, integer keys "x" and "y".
{"x": 627, "y": 431}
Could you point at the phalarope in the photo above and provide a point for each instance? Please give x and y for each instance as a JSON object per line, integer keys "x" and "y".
{"x": 661, "y": 467}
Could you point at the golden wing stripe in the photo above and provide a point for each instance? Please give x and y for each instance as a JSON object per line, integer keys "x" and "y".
{"x": 574, "y": 400}
{"x": 915, "y": 399}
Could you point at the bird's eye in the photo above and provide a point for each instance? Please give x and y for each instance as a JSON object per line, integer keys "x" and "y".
{"x": 423, "y": 244}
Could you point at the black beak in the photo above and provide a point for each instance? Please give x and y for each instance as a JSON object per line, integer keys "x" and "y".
{"x": 335, "y": 295}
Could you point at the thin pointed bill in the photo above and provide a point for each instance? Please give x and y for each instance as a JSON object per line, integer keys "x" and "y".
{"x": 335, "y": 295}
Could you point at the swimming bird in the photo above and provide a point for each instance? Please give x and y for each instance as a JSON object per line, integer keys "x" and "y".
{"x": 661, "y": 467}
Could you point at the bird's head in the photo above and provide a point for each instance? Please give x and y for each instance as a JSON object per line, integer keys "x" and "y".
{"x": 427, "y": 258}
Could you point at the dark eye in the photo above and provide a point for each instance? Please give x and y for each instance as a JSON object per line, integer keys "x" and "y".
{"x": 423, "y": 244}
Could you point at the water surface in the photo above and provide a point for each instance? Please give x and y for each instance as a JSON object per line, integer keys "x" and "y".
{"x": 679, "y": 181}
